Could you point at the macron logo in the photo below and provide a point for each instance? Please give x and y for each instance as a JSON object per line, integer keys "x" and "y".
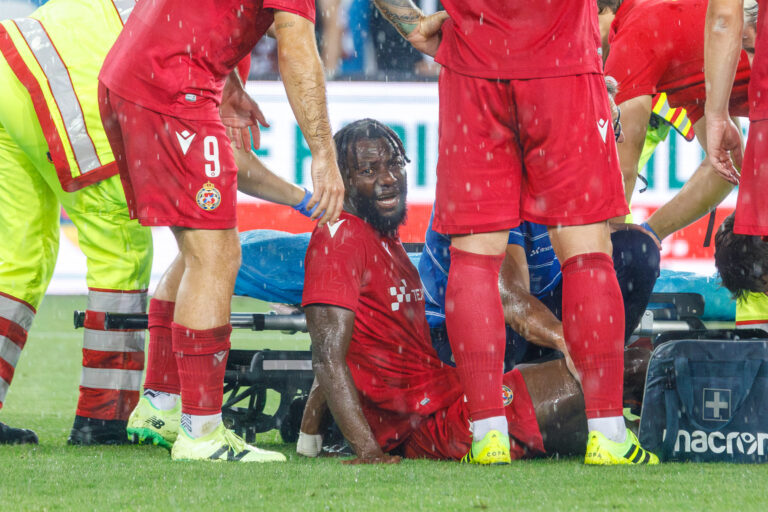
{"x": 602, "y": 127}
{"x": 332, "y": 228}
{"x": 185, "y": 139}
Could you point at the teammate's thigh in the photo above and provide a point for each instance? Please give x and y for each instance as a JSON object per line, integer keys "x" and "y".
{"x": 29, "y": 225}
{"x": 181, "y": 172}
{"x": 478, "y": 167}
{"x": 118, "y": 249}
{"x": 751, "y": 211}
{"x": 572, "y": 173}
{"x": 569, "y": 241}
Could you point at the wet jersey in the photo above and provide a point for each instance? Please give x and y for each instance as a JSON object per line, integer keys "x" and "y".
{"x": 173, "y": 57}
{"x": 396, "y": 371}
{"x": 658, "y": 46}
{"x": 505, "y": 39}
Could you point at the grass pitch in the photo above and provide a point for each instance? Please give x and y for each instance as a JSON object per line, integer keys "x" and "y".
{"x": 54, "y": 476}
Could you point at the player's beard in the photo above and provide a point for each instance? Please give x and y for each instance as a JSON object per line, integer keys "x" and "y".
{"x": 386, "y": 224}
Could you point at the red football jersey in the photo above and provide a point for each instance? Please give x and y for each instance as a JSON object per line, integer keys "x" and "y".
{"x": 658, "y": 46}
{"x": 758, "y": 87}
{"x": 396, "y": 371}
{"x": 173, "y": 56}
{"x": 520, "y": 38}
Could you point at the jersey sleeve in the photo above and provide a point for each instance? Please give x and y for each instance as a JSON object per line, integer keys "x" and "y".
{"x": 304, "y": 8}
{"x": 334, "y": 267}
{"x": 516, "y": 237}
{"x": 634, "y": 63}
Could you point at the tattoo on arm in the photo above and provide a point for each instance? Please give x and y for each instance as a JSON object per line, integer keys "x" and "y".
{"x": 402, "y": 14}
{"x": 279, "y": 26}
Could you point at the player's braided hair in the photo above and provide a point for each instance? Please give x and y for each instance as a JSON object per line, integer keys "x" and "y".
{"x": 613, "y": 5}
{"x": 347, "y": 137}
{"x": 741, "y": 260}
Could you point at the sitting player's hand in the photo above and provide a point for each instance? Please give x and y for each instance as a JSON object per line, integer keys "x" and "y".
{"x": 382, "y": 458}
{"x": 426, "y": 36}
{"x": 309, "y": 445}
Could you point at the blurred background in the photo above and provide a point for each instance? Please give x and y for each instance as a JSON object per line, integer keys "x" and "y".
{"x": 373, "y": 72}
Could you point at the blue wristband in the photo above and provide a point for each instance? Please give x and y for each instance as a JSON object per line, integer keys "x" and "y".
{"x": 302, "y": 206}
{"x": 650, "y": 230}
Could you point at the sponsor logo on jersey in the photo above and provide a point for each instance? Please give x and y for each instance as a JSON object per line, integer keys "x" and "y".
{"x": 698, "y": 441}
{"x": 602, "y": 127}
{"x": 185, "y": 139}
{"x": 208, "y": 198}
{"x": 507, "y": 394}
{"x": 401, "y": 294}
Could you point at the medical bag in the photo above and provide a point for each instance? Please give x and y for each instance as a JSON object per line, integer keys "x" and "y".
{"x": 707, "y": 401}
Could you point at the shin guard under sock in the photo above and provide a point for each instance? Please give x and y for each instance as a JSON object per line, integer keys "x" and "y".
{"x": 162, "y": 373}
{"x": 593, "y": 325}
{"x": 475, "y": 324}
{"x": 201, "y": 356}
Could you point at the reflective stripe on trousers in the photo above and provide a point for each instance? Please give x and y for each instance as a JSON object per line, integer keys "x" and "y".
{"x": 15, "y": 320}
{"x": 102, "y": 369}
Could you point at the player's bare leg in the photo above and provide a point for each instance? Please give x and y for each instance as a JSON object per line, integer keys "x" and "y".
{"x": 475, "y": 324}
{"x": 593, "y": 325}
{"x": 210, "y": 259}
{"x": 559, "y": 403}
{"x": 200, "y": 333}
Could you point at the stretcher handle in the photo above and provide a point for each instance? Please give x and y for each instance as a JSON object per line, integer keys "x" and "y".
{"x": 253, "y": 321}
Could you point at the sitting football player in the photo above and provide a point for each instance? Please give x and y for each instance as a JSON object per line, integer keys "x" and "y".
{"x": 375, "y": 367}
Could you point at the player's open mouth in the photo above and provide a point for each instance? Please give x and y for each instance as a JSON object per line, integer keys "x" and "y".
{"x": 388, "y": 200}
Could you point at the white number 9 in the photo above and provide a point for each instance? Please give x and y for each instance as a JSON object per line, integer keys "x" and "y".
{"x": 211, "y": 154}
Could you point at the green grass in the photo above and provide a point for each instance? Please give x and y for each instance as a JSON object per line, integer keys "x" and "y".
{"x": 54, "y": 476}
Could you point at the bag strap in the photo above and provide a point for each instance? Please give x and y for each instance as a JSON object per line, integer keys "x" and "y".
{"x": 684, "y": 386}
{"x": 672, "y": 405}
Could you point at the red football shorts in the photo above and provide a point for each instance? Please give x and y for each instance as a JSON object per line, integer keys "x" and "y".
{"x": 751, "y": 207}
{"x": 446, "y": 435}
{"x": 175, "y": 172}
{"x": 541, "y": 150}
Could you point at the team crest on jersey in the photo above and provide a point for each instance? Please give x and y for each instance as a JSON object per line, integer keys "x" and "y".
{"x": 507, "y": 394}
{"x": 208, "y": 198}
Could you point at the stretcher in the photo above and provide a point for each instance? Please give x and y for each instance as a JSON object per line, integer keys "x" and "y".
{"x": 272, "y": 270}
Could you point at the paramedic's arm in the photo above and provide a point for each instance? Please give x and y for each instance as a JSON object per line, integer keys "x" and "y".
{"x": 330, "y": 329}
{"x": 525, "y": 313}
{"x": 701, "y": 193}
{"x": 304, "y": 81}
{"x": 255, "y": 179}
{"x": 635, "y": 114}
{"x": 722, "y": 47}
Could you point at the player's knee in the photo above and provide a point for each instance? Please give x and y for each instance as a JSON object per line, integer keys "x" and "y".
{"x": 217, "y": 251}
{"x": 636, "y": 252}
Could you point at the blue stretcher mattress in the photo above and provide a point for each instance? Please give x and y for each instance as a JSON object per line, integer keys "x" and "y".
{"x": 273, "y": 270}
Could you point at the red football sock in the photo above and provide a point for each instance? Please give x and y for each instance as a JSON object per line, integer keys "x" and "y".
{"x": 201, "y": 356}
{"x": 162, "y": 373}
{"x": 593, "y": 325}
{"x": 475, "y": 322}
